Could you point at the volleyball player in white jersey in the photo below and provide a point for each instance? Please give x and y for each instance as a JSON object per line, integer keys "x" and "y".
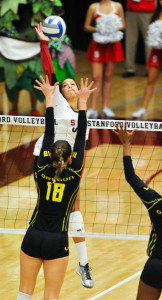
{"x": 66, "y": 107}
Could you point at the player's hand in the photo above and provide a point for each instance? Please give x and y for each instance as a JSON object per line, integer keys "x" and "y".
{"x": 123, "y": 134}
{"x": 85, "y": 90}
{"x": 40, "y": 33}
{"x": 45, "y": 86}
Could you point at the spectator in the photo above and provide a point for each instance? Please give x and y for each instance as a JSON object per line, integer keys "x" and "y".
{"x": 155, "y": 59}
{"x": 137, "y": 18}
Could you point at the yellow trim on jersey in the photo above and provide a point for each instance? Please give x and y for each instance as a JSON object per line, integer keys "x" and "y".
{"x": 68, "y": 210}
{"x": 154, "y": 203}
{"x": 33, "y": 221}
{"x": 151, "y": 201}
{"x": 153, "y": 242}
{"x": 74, "y": 172}
{"x": 66, "y": 228}
{"x": 82, "y": 163}
{"x": 71, "y": 197}
{"x": 43, "y": 167}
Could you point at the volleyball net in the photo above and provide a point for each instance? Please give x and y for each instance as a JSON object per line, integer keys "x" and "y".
{"x": 109, "y": 206}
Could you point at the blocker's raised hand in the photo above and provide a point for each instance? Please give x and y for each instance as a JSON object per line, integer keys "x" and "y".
{"x": 45, "y": 87}
{"x": 85, "y": 90}
{"x": 123, "y": 134}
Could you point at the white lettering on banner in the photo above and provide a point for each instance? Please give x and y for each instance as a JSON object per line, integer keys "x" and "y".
{"x": 68, "y": 123}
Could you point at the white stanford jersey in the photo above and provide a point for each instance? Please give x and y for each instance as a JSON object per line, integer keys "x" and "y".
{"x": 62, "y": 110}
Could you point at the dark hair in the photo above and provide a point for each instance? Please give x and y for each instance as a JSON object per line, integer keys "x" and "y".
{"x": 60, "y": 151}
{"x": 156, "y": 12}
{"x": 60, "y": 86}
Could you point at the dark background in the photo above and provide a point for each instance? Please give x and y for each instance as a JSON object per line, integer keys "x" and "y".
{"x": 75, "y": 12}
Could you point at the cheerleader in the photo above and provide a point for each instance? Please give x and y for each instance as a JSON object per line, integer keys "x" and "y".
{"x": 104, "y": 50}
{"x": 155, "y": 59}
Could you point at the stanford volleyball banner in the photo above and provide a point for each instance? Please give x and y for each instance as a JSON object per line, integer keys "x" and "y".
{"x": 71, "y": 124}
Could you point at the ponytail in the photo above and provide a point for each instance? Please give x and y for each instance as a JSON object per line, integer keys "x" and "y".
{"x": 60, "y": 162}
{"x": 60, "y": 151}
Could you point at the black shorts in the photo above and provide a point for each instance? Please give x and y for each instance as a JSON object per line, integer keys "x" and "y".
{"x": 45, "y": 245}
{"x": 152, "y": 273}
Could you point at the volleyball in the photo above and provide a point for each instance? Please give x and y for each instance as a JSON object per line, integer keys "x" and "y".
{"x": 54, "y": 27}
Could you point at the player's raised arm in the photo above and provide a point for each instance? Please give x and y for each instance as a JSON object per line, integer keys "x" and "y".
{"x": 146, "y": 194}
{"x": 45, "y": 55}
{"x": 79, "y": 146}
{"x": 48, "y": 91}
{"x": 125, "y": 138}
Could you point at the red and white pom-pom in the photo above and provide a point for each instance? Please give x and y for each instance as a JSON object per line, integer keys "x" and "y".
{"x": 154, "y": 35}
{"x": 107, "y": 29}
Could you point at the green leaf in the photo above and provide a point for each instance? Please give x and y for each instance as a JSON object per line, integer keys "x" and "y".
{"x": 36, "y": 7}
{"x": 46, "y": 7}
{"x": 57, "y": 3}
{"x": 11, "y": 5}
{"x": 6, "y": 20}
{"x": 28, "y": 34}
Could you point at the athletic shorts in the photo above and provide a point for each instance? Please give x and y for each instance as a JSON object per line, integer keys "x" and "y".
{"x": 45, "y": 245}
{"x": 152, "y": 273}
{"x": 155, "y": 59}
{"x": 103, "y": 53}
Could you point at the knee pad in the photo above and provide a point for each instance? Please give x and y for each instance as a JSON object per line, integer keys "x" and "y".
{"x": 76, "y": 222}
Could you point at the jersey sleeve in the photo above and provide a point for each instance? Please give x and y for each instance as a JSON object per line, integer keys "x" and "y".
{"x": 148, "y": 196}
{"x": 47, "y": 62}
{"x": 44, "y": 157}
{"x": 80, "y": 144}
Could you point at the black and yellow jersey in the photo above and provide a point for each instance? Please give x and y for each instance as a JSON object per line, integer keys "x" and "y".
{"x": 56, "y": 199}
{"x": 153, "y": 202}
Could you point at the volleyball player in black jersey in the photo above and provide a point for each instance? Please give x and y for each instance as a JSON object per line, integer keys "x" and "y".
{"x": 66, "y": 107}
{"x": 46, "y": 240}
{"x": 150, "y": 284}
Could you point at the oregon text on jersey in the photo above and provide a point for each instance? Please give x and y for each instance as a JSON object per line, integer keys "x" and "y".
{"x": 58, "y": 179}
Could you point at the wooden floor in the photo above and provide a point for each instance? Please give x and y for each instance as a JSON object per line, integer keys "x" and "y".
{"x": 115, "y": 263}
